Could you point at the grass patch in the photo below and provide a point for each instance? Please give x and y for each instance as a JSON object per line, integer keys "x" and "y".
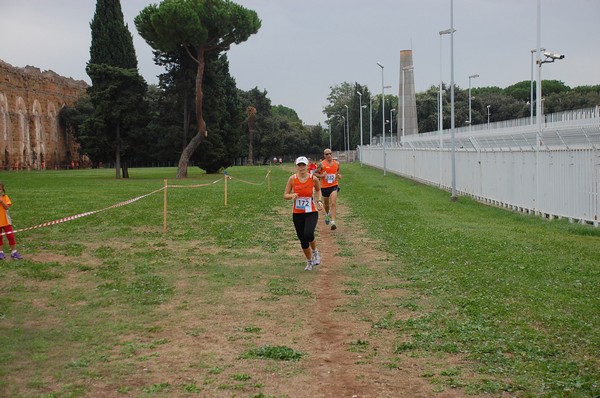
{"x": 278, "y": 353}
{"x": 515, "y": 293}
{"x": 514, "y": 297}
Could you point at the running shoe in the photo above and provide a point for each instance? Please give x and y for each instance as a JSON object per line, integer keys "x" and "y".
{"x": 333, "y": 226}
{"x": 16, "y": 256}
{"x": 327, "y": 219}
{"x": 309, "y": 265}
{"x": 316, "y": 258}
{"x": 2, "y": 256}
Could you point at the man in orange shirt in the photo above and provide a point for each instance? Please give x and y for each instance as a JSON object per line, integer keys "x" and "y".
{"x": 329, "y": 173}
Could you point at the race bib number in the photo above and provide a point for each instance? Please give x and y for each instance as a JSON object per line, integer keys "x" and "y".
{"x": 330, "y": 178}
{"x": 303, "y": 204}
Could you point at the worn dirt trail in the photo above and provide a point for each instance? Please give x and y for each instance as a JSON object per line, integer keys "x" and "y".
{"x": 337, "y": 371}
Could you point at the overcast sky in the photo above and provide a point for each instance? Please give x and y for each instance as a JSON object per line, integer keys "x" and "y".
{"x": 304, "y": 47}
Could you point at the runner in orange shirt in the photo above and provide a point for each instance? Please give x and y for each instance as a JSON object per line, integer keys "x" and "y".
{"x": 302, "y": 189}
{"x": 312, "y": 166}
{"x": 329, "y": 173}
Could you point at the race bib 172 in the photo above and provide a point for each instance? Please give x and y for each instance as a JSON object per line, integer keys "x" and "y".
{"x": 303, "y": 204}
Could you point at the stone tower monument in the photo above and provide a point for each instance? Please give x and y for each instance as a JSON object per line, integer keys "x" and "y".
{"x": 406, "y": 87}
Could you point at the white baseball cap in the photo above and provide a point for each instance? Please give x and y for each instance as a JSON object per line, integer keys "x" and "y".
{"x": 302, "y": 159}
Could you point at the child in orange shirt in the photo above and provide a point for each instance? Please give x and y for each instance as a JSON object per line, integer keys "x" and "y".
{"x": 6, "y": 226}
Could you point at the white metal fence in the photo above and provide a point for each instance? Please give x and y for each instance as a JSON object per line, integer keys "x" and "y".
{"x": 503, "y": 164}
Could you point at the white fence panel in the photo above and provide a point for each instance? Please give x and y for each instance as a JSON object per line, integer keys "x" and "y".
{"x": 560, "y": 178}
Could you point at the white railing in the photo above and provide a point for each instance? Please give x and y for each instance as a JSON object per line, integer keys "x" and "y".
{"x": 505, "y": 166}
{"x": 577, "y": 116}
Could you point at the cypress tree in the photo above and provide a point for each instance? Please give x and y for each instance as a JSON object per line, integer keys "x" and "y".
{"x": 117, "y": 91}
{"x": 112, "y": 43}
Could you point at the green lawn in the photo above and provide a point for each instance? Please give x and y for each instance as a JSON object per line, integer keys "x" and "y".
{"x": 515, "y": 295}
{"x": 518, "y": 294}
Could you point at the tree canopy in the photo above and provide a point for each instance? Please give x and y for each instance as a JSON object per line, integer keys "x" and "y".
{"x": 189, "y": 37}
{"x": 199, "y": 27}
{"x": 112, "y": 43}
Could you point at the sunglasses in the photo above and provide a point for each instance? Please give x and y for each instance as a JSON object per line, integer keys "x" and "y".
{"x": 328, "y": 153}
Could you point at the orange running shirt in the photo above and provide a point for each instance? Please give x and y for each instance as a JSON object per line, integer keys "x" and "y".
{"x": 304, "y": 203}
{"x": 4, "y": 217}
{"x": 329, "y": 179}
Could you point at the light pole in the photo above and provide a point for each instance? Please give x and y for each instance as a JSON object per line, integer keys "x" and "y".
{"x": 361, "y": 106}
{"x": 406, "y": 68}
{"x": 488, "y": 115}
{"x": 347, "y": 134}
{"x": 392, "y": 124}
{"x": 440, "y": 129}
{"x": 531, "y": 86}
{"x": 539, "y": 102}
{"x": 538, "y": 106}
{"x": 453, "y": 198}
{"x": 550, "y": 57}
{"x": 441, "y": 102}
{"x": 343, "y": 131}
{"x": 531, "y": 89}
{"x": 383, "y": 116}
{"x": 470, "y": 119}
{"x": 329, "y": 135}
{"x": 371, "y": 120}
{"x": 361, "y": 120}
{"x": 440, "y": 105}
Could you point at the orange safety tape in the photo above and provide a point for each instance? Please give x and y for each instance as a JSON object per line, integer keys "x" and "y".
{"x": 88, "y": 213}
{"x": 248, "y": 182}
{"x": 193, "y": 186}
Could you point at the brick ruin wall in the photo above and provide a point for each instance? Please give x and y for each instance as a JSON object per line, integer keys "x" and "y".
{"x": 31, "y": 136}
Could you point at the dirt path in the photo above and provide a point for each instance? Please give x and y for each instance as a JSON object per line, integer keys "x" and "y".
{"x": 332, "y": 360}
{"x": 202, "y": 336}
{"x": 206, "y": 336}
{"x": 338, "y": 371}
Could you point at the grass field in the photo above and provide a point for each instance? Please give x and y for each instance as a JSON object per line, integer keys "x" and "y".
{"x": 516, "y": 298}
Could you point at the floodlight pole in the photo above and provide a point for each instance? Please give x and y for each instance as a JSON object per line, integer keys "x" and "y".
{"x": 531, "y": 86}
{"x": 383, "y": 117}
{"x": 360, "y": 108}
{"x": 371, "y": 121}
{"x": 454, "y": 197}
{"x": 470, "y": 118}
{"x": 441, "y": 102}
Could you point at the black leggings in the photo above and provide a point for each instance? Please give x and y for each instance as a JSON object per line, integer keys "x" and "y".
{"x": 305, "y": 224}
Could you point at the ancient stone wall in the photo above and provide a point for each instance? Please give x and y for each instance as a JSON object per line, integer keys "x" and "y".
{"x": 30, "y": 133}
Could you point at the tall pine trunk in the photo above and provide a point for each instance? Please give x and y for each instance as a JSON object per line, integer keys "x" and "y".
{"x": 118, "y": 154}
{"x": 191, "y": 147}
{"x": 186, "y": 118}
{"x": 251, "y": 112}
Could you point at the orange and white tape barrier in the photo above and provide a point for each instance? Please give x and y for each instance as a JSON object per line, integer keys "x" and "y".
{"x": 249, "y": 182}
{"x": 193, "y": 186}
{"x": 88, "y": 213}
